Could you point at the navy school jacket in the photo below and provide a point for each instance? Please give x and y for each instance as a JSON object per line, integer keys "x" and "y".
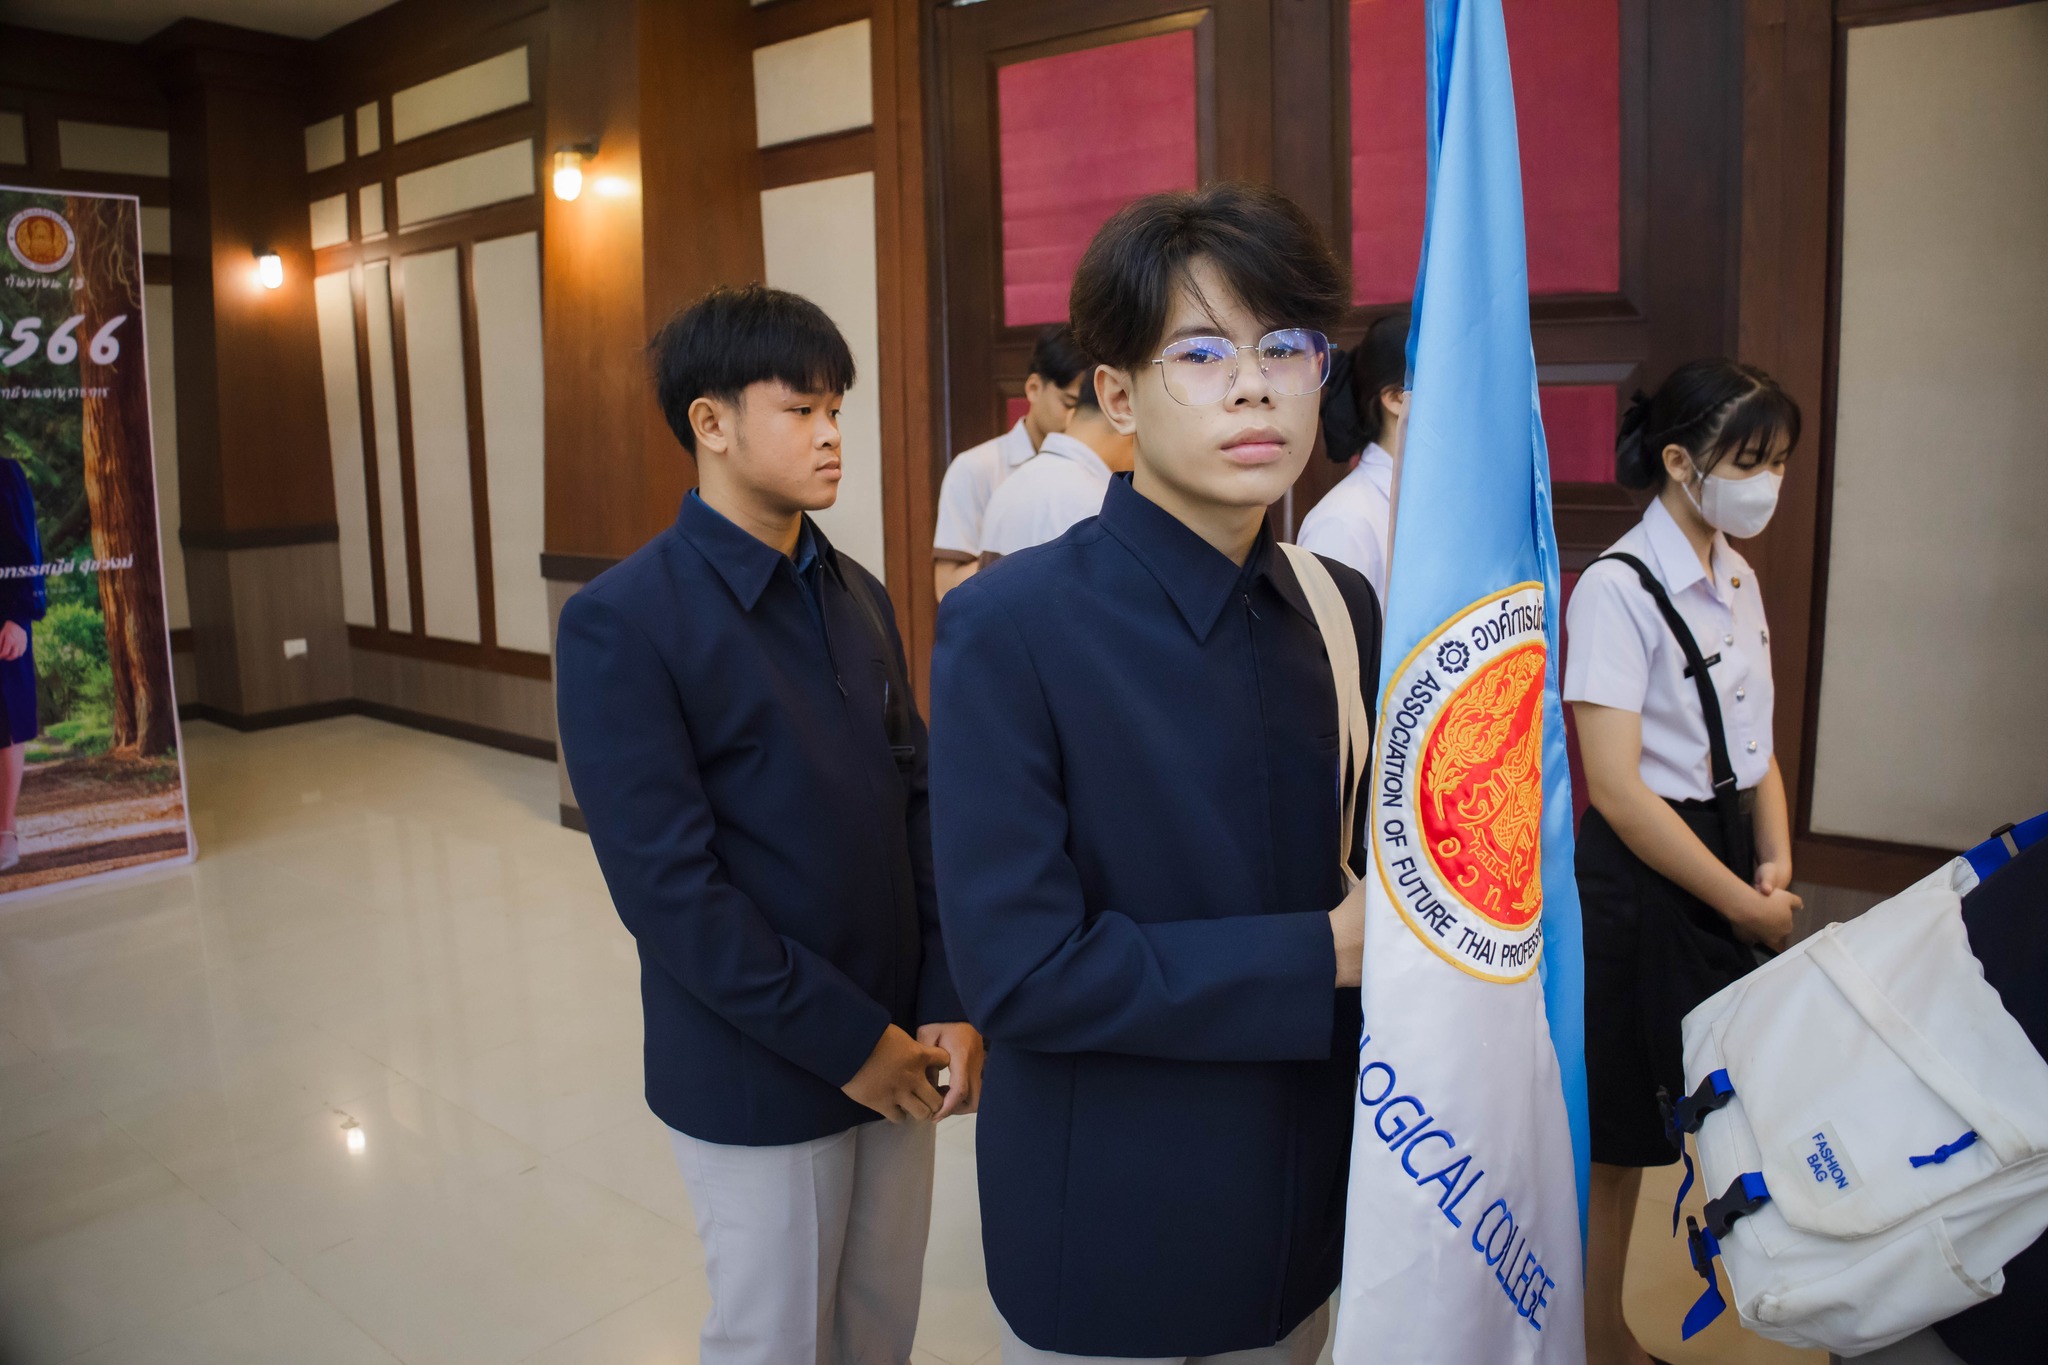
{"x": 1134, "y": 796}
{"x": 758, "y": 837}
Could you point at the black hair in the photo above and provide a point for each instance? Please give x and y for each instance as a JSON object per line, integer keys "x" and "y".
{"x": 1269, "y": 252}
{"x": 1353, "y": 415}
{"x": 1714, "y": 409}
{"x": 731, "y": 338}
{"x": 1056, "y": 359}
{"x": 1086, "y": 399}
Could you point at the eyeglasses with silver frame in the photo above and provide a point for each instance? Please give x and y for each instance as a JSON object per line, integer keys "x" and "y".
{"x": 1201, "y": 370}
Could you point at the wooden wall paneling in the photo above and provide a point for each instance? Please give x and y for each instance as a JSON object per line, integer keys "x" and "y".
{"x": 699, "y": 167}
{"x": 818, "y": 158}
{"x": 246, "y": 465}
{"x": 479, "y": 464}
{"x": 593, "y": 302}
{"x": 785, "y": 19}
{"x": 409, "y": 479}
{"x": 912, "y": 461}
{"x": 372, "y": 489}
{"x": 1235, "y": 117}
{"x": 412, "y": 41}
{"x": 520, "y": 662}
{"x": 1851, "y": 13}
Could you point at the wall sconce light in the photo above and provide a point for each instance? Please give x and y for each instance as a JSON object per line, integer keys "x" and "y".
{"x": 269, "y": 268}
{"x": 569, "y": 160}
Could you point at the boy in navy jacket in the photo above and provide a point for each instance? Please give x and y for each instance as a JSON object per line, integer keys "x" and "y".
{"x": 1135, "y": 826}
{"x": 741, "y": 738}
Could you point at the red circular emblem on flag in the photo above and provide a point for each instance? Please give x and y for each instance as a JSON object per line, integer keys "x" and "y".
{"x": 1481, "y": 789}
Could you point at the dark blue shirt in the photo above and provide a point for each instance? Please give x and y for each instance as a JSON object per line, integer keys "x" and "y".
{"x": 1135, "y": 826}
{"x": 723, "y": 724}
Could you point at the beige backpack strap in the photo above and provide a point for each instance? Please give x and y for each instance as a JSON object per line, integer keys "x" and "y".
{"x": 1354, "y": 719}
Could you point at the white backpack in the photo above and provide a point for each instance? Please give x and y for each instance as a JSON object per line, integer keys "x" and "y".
{"x": 1873, "y": 1126}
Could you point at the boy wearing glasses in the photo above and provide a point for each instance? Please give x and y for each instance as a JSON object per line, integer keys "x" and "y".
{"x": 1135, "y": 829}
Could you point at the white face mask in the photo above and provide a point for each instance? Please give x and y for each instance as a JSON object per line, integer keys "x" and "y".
{"x": 1738, "y": 507}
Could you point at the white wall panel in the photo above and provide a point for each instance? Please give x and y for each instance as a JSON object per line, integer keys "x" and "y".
{"x": 484, "y": 88}
{"x": 369, "y": 136}
{"x": 13, "y": 138}
{"x": 330, "y": 220}
{"x": 156, "y": 230}
{"x": 371, "y": 197}
{"x": 819, "y": 241}
{"x": 109, "y": 147}
{"x": 815, "y": 84}
{"x": 440, "y": 445}
{"x": 1937, "y": 606}
{"x": 326, "y": 144}
{"x": 384, "y": 415}
{"x": 508, "y": 342}
{"x": 466, "y": 183}
{"x": 334, "y": 302}
{"x": 163, "y": 432}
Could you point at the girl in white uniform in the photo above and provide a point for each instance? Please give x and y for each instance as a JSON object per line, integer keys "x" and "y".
{"x": 1351, "y": 522}
{"x": 1685, "y": 857}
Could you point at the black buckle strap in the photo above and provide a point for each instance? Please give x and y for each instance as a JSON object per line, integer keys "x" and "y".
{"x": 1744, "y": 1197}
{"x": 1688, "y": 1114}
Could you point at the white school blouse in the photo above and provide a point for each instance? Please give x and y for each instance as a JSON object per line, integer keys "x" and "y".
{"x": 1620, "y": 653}
{"x": 1063, "y": 484}
{"x": 971, "y": 480}
{"x": 1350, "y": 523}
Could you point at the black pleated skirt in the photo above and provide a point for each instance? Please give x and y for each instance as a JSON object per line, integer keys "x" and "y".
{"x": 1653, "y": 951}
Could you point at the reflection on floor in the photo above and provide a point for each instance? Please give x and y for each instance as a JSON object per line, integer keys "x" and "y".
{"x": 363, "y": 1085}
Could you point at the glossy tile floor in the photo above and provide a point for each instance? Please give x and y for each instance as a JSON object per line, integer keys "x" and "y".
{"x": 363, "y": 1085}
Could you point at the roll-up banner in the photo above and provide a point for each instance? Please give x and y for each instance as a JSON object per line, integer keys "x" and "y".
{"x": 92, "y": 781}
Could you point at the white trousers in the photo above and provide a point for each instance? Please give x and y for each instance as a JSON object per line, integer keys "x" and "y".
{"x": 815, "y": 1251}
{"x": 1301, "y": 1347}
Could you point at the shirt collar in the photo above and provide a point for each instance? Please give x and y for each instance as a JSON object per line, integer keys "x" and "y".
{"x": 743, "y": 562}
{"x": 1066, "y": 447}
{"x": 1198, "y": 577}
{"x": 1677, "y": 565}
{"x": 1015, "y": 444}
{"x": 1379, "y": 467}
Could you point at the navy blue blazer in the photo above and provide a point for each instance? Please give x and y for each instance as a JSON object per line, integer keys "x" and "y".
{"x": 761, "y": 842}
{"x": 1134, "y": 796}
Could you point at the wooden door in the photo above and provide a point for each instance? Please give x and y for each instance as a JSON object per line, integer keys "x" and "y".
{"x": 1050, "y": 115}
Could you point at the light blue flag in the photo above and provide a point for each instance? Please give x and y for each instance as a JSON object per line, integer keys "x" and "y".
{"x": 1469, "y": 1164}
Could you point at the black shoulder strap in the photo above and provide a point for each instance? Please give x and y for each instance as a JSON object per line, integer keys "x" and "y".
{"x": 901, "y": 737}
{"x": 1726, "y": 800}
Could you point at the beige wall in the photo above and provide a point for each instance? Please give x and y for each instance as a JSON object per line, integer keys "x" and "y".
{"x": 1930, "y": 729}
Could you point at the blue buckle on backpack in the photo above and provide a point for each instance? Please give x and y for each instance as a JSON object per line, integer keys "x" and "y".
{"x": 1703, "y": 1247}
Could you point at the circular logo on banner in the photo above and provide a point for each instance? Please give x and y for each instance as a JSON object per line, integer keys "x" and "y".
{"x": 1458, "y": 789}
{"x": 41, "y": 240}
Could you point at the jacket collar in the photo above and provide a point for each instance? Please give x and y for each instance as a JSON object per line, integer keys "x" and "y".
{"x": 743, "y": 562}
{"x": 1199, "y": 578}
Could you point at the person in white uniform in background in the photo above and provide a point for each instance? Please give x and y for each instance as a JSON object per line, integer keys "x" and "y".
{"x": 1685, "y": 859}
{"x": 1351, "y": 523}
{"x": 1065, "y": 484}
{"x": 975, "y": 474}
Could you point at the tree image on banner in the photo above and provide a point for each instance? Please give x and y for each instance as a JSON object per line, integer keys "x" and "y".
{"x": 120, "y": 488}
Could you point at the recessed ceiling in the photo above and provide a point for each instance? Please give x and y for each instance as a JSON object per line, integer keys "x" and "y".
{"x": 131, "y": 21}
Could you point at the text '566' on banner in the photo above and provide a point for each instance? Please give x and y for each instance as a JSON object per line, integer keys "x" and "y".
{"x": 92, "y": 783}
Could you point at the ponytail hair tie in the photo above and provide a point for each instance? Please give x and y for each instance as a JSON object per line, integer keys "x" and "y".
{"x": 1630, "y": 464}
